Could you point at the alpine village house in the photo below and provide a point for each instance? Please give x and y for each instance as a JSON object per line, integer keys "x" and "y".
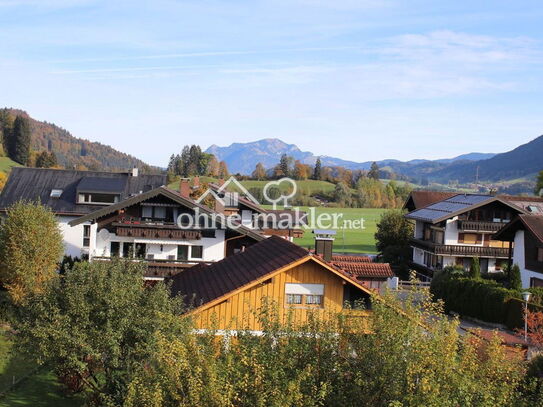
{"x": 132, "y": 215}
{"x": 451, "y": 229}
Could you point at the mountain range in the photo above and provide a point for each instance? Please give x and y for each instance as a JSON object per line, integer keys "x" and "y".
{"x": 522, "y": 162}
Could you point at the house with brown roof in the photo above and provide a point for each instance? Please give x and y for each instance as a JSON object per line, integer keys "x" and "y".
{"x": 456, "y": 229}
{"x": 525, "y": 232}
{"x": 420, "y": 199}
{"x": 225, "y": 294}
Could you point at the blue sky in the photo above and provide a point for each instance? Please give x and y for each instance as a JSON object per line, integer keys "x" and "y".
{"x": 357, "y": 79}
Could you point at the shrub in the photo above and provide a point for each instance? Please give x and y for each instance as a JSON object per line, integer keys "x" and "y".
{"x": 481, "y": 299}
{"x": 515, "y": 282}
{"x": 475, "y": 269}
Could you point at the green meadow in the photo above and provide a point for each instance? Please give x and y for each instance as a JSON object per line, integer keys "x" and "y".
{"x": 348, "y": 240}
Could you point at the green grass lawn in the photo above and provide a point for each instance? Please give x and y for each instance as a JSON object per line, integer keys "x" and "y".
{"x": 39, "y": 389}
{"x": 6, "y": 163}
{"x": 349, "y": 240}
{"x": 12, "y": 366}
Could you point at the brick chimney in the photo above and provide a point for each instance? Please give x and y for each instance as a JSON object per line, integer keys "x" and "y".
{"x": 196, "y": 182}
{"x": 184, "y": 187}
{"x": 324, "y": 243}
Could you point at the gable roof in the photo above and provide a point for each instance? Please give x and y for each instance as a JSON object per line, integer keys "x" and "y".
{"x": 206, "y": 285}
{"x": 365, "y": 269}
{"x": 420, "y": 199}
{"x": 456, "y": 205}
{"x": 168, "y": 193}
{"x": 533, "y": 223}
{"x": 34, "y": 184}
{"x": 530, "y": 204}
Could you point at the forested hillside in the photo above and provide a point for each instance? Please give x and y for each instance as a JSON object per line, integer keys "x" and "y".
{"x": 70, "y": 151}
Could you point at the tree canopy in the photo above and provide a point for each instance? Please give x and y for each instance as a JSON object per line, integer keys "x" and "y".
{"x": 30, "y": 249}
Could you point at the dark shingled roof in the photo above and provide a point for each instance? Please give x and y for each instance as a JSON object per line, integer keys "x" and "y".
{"x": 102, "y": 184}
{"x": 531, "y": 204}
{"x": 204, "y": 283}
{"x": 420, "y": 199}
{"x": 533, "y": 223}
{"x": 455, "y": 205}
{"x": 36, "y": 184}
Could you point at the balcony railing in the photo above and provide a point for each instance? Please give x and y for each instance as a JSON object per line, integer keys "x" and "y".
{"x": 462, "y": 251}
{"x": 479, "y": 226}
{"x": 160, "y": 267}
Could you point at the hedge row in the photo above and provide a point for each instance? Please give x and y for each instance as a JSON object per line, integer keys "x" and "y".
{"x": 485, "y": 300}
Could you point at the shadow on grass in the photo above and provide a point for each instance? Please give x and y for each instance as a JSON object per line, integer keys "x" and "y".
{"x": 40, "y": 390}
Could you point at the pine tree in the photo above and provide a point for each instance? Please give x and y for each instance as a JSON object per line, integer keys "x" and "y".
{"x": 283, "y": 165}
{"x": 374, "y": 171}
{"x": 317, "y": 172}
{"x": 20, "y": 146}
{"x": 515, "y": 281}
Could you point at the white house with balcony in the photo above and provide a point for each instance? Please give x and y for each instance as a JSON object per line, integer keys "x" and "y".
{"x": 455, "y": 230}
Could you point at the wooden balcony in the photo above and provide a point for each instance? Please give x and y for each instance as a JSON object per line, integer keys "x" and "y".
{"x": 479, "y": 226}
{"x": 160, "y": 268}
{"x": 461, "y": 251}
{"x": 154, "y": 230}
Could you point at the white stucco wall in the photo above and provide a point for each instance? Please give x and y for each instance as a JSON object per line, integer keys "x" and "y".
{"x": 451, "y": 231}
{"x": 518, "y": 259}
{"x": 213, "y": 248}
{"x": 73, "y": 237}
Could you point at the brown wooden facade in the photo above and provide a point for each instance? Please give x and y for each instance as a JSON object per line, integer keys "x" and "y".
{"x": 236, "y": 310}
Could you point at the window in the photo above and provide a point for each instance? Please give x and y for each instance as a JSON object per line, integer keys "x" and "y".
{"x": 115, "y": 249}
{"x": 86, "y": 235}
{"x": 310, "y": 295}
{"x": 146, "y": 212}
{"x": 294, "y": 299}
{"x": 98, "y": 198}
{"x": 182, "y": 252}
{"x": 313, "y": 299}
{"x": 196, "y": 252}
{"x": 160, "y": 212}
{"x": 208, "y": 233}
{"x": 540, "y": 254}
{"x": 56, "y": 193}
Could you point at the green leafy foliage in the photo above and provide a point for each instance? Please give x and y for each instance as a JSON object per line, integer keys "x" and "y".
{"x": 95, "y": 325}
{"x": 515, "y": 281}
{"x": 538, "y": 190}
{"x": 331, "y": 362}
{"x": 475, "y": 269}
{"x": 392, "y": 240}
{"x": 30, "y": 248}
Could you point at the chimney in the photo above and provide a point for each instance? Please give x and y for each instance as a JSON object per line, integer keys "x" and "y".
{"x": 220, "y": 182}
{"x": 196, "y": 182}
{"x": 135, "y": 172}
{"x": 184, "y": 187}
{"x": 324, "y": 243}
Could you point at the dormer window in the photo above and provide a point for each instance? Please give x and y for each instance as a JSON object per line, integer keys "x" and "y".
{"x": 100, "y": 190}
{"x": 56, "y": 193}
{"x": 97, "y": 198}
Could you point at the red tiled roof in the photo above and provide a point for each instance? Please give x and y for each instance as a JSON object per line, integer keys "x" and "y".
{"x": 351, "y": 259}
{"x": 361, "y": 269}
